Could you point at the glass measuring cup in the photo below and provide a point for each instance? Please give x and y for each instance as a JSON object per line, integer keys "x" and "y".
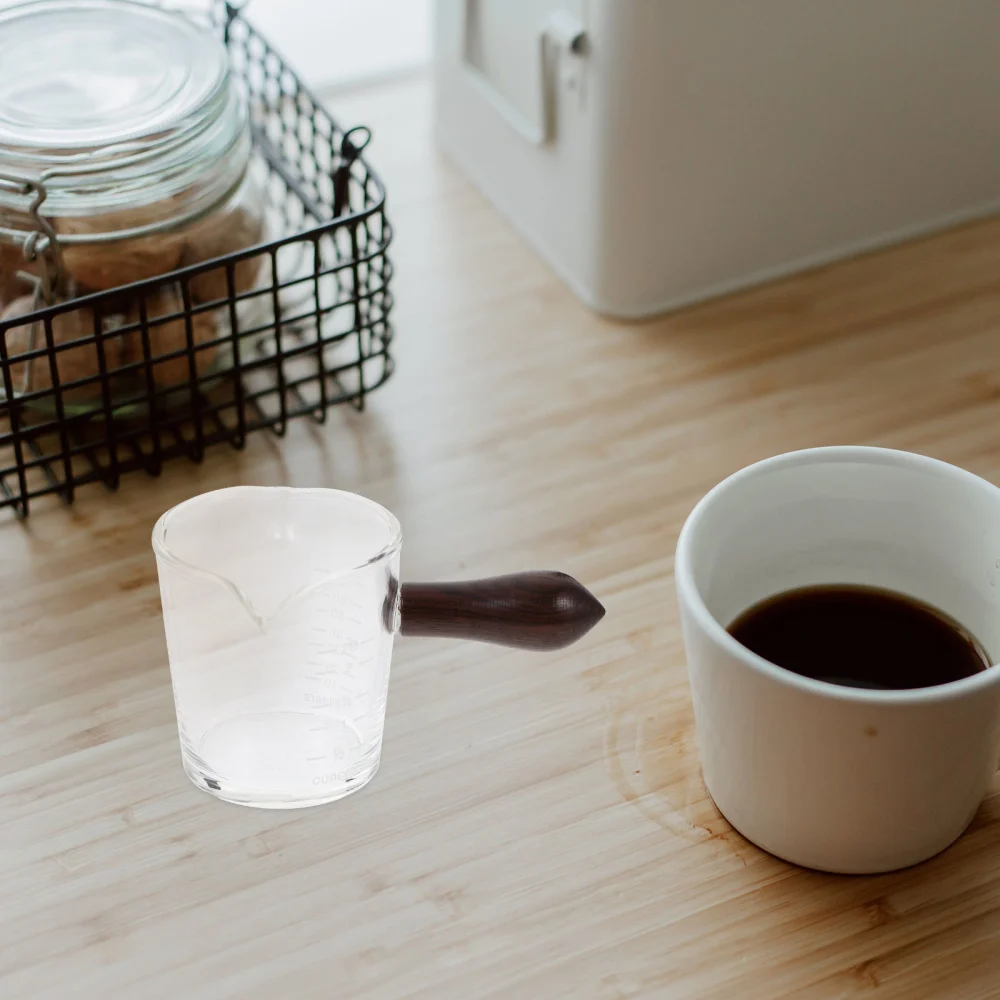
{"x": 280, "y": 606}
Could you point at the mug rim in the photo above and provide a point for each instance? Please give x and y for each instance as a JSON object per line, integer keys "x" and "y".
{"x": 690, "y": 596}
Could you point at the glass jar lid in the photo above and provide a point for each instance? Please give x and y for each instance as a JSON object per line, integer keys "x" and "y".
{"x": 119, "y": 109}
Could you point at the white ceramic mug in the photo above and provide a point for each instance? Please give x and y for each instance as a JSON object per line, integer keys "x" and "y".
{"x": 837, "y": 778}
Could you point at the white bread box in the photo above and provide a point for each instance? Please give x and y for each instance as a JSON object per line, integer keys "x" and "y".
{"x": 657, "y": 152}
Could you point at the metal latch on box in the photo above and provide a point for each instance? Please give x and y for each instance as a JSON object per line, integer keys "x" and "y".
{"x": 562, "y": 43}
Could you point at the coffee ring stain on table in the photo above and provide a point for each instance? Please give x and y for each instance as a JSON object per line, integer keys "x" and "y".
{"x": 652, "y": 753}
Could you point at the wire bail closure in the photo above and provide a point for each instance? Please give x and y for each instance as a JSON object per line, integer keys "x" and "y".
{"x": 40, "y": 246}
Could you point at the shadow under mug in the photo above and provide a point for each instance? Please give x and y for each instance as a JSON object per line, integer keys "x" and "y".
{"x": 836, "y": 778}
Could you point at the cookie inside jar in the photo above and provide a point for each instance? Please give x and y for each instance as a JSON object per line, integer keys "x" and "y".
{"x": 158, "y": 338}
{"x": 96, "y": 258}
{"x": 136, "y": 159}
{"x": 234, "y": 227}
{"x": 77, "y": 350}
{"x": 79, "y": 353}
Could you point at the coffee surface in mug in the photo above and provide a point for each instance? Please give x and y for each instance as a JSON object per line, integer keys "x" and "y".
{"x": 861, "y": 637}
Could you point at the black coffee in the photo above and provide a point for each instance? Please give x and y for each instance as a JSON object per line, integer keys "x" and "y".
{"x": 860, "y": 637}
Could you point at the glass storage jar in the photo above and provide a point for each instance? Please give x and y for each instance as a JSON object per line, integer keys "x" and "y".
{"x": 125, "y": 154}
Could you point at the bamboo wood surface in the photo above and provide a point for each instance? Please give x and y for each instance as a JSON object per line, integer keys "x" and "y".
{"x": 538, "y": 827}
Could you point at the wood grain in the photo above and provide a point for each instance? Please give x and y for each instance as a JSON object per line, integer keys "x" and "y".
{"x": 538, "y": 827}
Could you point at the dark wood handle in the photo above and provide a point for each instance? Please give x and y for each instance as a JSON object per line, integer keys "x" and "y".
{"x": 529, "y": 610}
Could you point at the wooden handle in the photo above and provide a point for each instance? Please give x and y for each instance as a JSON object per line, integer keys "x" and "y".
{"x": 541, "y": 610}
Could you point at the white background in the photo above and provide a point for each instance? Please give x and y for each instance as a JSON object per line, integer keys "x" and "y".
{"x": 336, "y": 43}
{"x": 341, "y": 42}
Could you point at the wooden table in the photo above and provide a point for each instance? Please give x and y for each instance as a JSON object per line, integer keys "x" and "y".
{"x": 538, "y": 827}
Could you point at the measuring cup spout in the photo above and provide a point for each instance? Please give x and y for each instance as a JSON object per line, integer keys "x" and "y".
{"x": 272, "y": 548}
{"x": 259, "y": 619}
{"x": 536, "y": 610}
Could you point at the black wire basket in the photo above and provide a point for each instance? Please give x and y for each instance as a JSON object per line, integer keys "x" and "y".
{"x": 313, "y": 331}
